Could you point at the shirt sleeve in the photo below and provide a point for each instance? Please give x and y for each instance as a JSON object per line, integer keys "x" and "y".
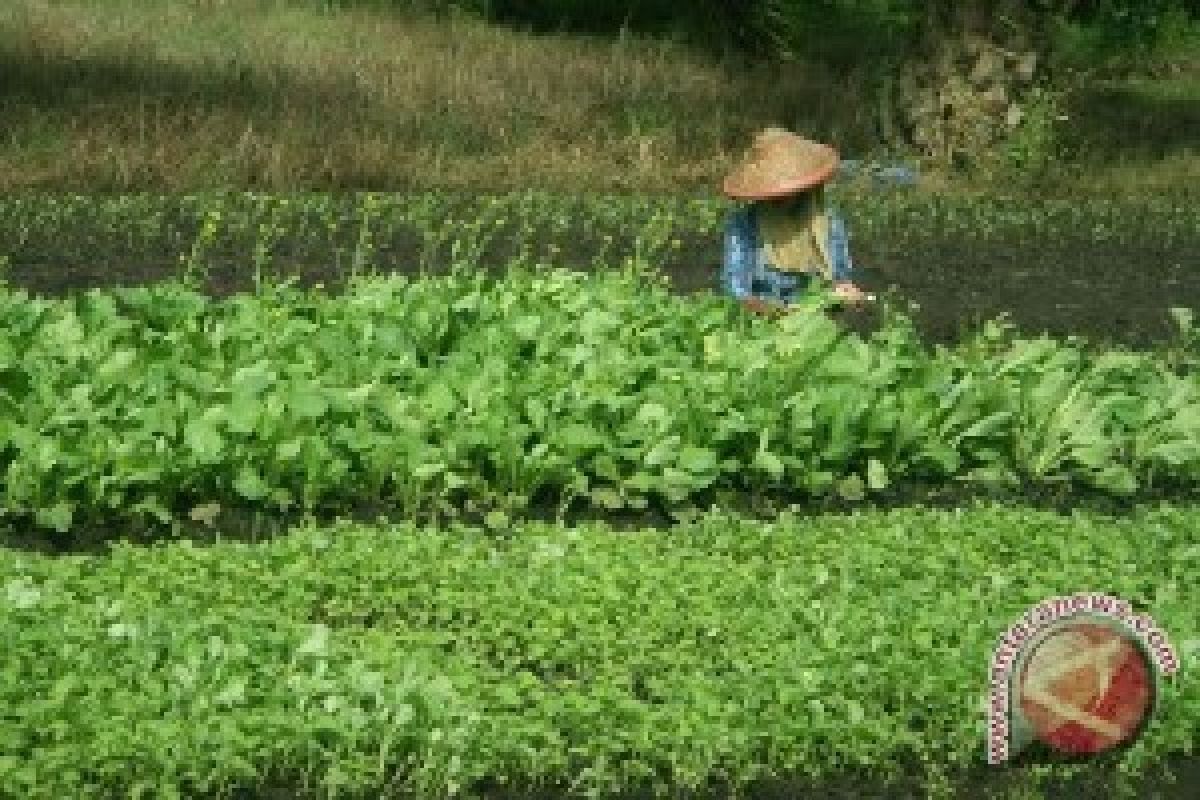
{"x": 738, "y": 263}
{"x": 839, "y": 249}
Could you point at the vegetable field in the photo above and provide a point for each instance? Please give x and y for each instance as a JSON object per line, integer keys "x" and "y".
{"x": 513, "y": 505}
{"x": 549, "y": 389}
{"x": 841, "y": 656}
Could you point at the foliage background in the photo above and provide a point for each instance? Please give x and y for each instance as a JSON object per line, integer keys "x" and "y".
{"x": 1085, "y": 31}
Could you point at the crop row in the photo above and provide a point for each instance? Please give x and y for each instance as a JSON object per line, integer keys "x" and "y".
{"x": 353, "y": 231}
{"x": 356, "y": 661}
{"x": 600, "y": 391}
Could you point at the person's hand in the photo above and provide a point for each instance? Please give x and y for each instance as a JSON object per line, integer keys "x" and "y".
{"x": 851, "y": 294}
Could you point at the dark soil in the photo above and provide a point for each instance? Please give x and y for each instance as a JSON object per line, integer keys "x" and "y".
{"x": 984, "y": 783}
{"x": 1175, "y": 780}
{"x": 1111, "y": 293}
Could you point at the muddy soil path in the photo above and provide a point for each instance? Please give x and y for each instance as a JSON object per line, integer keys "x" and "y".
{"x": 1118, "y": 295}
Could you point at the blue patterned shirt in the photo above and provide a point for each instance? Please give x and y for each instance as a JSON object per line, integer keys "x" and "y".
{"x": 745, "y": 273}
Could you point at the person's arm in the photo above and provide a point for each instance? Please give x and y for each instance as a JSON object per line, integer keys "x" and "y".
{"x": 843, "y": 264}
{"x": 738, "y": 264}
{"x": 839, "y": 250}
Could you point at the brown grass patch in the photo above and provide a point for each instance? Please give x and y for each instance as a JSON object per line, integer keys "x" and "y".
{"x": 186, "y": 95}
{"x": 137, "y": 96}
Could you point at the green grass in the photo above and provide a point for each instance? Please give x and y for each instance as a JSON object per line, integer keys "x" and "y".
{"x": 353, "y": 660}
{"x": 1134, "y": 132}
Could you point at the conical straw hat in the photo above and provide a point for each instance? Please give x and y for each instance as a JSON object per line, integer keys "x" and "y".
{"x": 780, "y": 163}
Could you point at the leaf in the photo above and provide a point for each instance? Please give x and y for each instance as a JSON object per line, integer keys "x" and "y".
{"x": 317, "y": 641}
{"x": 369, "y": 682}
{"x": 1176, "y": 453}
{"x": 605, "y": 465}
{"x": 877, "y": 477}
{"x": 696, "y": 459}
{"x": 358, "y": 439}
{"x": 290, "y": 449}
{"x": 943, "y": 456}
{"x": 117, "y": 363}
{"x": 65, "y": 332}
{"x": 536, "y": 411}
{"x": 526, "y": 327}
{"x": 57, "y": 516}
{"x": 991, "y": 424}
{"x": 1182, "y": 317}
{"x": 1093, "y": 453}
{"x": 233, "y": 694}
{"x": 1116, "y": 479}
{"x": 427, "y": 471}
{"x": 206, "y": 513}
{"x": 351, "y": 399}
{"x": 662, "y": 452}
{"x": 578, "y": 437}
{"x": 712, "y": 347}
{"x": 253, "y": 380}
{"x": 642, "y": 481}
{"x": 249, "y": 483}
{"x": 607, "y": 498}
{"x": 819, "y": 480}
{"x": 769, "y": 462}
{"x": 203, "y": 439}
{"x": 154, "y": 507}
{"x": 243, "y": 413}
{"x": 282, "y": 498}
{"x": 122, "y": 630}
{"x": 21, "y": 593}
{"x": 307, "y": 401}
{"x": 439, "y": 402}
{"x": 654, "y": 414}
{"x": 396, "y": 408}
{"x": 851, "y": 488}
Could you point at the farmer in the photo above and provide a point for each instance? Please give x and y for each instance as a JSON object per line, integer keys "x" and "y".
{"x": 784, "y": 239}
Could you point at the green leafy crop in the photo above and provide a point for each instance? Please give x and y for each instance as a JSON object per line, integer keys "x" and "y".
{"x": 362, "y": 661}
{"x": 603, "y": 391}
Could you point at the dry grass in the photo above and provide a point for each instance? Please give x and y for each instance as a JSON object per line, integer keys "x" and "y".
{"x": 183, "y": 95}
{"x": 128, "y": 95}
{"x": 1171, "y": 174}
